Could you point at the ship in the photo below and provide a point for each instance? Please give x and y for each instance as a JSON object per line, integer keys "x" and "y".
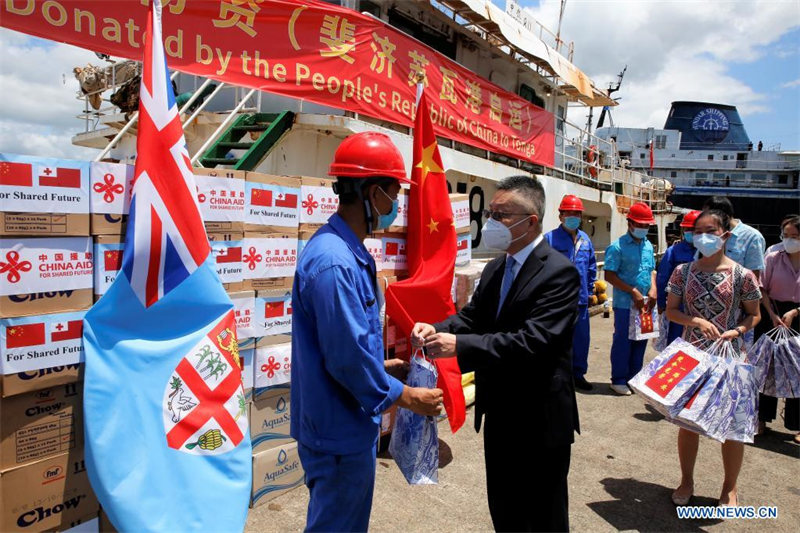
{"x": 239, "y": 128}
{"x": 704, "y": 150}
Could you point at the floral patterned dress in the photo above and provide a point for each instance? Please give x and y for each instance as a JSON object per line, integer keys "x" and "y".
{"x": 714, "y": 296}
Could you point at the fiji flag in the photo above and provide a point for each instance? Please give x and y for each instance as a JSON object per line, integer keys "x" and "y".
{"x": 167, "y": 440}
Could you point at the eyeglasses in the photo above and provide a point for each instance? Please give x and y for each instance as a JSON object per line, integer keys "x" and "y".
{"x": 500, "y": 215}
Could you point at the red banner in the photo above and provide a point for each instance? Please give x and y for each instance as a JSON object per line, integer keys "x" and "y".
{"x": 308, "y": 50}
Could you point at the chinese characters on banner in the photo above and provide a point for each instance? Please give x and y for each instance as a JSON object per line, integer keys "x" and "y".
{"x": 310, "y": 50}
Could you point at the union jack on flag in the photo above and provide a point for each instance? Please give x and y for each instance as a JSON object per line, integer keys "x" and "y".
{"x": 166, "y": 240}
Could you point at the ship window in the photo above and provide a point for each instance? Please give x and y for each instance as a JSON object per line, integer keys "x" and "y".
{"x": 673, "y": 174}
{"x": 710, "y": 157}
{"x": 661, "y": 142}
{"x": 724, "y": 157}
{"x": 700, "y": 178}
{"x": 527, "y": 93}
{"x": 370, "y": 7}
{"x": 758, "y": 177}
{"x": 783, "y": 179}
{"x": 641, "y": 156}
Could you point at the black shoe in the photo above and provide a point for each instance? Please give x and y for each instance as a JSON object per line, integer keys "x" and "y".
{"x": 582, "y": 384}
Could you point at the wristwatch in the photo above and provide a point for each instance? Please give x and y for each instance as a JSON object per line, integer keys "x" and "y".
{"x": 742, "y": 331}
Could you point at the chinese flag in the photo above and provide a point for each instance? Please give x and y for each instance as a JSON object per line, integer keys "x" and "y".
{"x": 112, "y": 260}
{"x": 431, "y": 251}
{"x": 286, "y": 200}
{"x": 273, "y": 309}
{"x": 19, "y": 174}
{"x": 261, "y": 197}
{"x": 64, "y": 332}
{"x": 65, "y": 177}
{"x": 25, "y": 335}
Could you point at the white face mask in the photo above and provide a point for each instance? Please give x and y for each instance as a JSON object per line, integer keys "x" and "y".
{"x": 791, "y": 245}
{"x": 708, "y": 244}
{"x": 498, "y": 235}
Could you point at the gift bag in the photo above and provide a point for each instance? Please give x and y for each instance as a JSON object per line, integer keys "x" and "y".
{"x": 415, "y": 439}
{"x": 643, "y": 324}
{"x": 776, "y": 361}
{"x": 670, "y": 379}
{"x": 741, "y": 420}
{"x": 698, "y": 414}
{"x": 760, "y": 356}
{"x": 660, "y": 344}
{"x": 787, "y": 377}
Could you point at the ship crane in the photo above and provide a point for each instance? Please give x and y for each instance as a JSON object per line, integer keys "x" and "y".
{"x": 611, "y": 89}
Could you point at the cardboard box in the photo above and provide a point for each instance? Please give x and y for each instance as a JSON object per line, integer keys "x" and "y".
{"x": 394, "y": 258}
{"x": 40, "y": 424}
{"x": 43, "y": 341}
{"x": 270, "y": 418}
{"x": 273, "y": 312}
{"x": 317, "y": 202}
{"x": 275, "y": 472}
{"x": 467, "y": 279}
{"x": 460, "y": 205}
{"x": 273, "y": 203}
{"x": 227, "y": 250}
{"x": 272, "y": 364}
{"x": 41, "y": 303}
{"x": 108, "y": 261}
{"x": 43, "y": 224}
{"x": 105, "y": 523}
{"x": 43, "y": 196}
{"x": 247, "y": 351}
{"x": 463, "y": 249}
{"x": 243, "y": 310}
{"x": 110, "y": 197}
{"x": 375, "y": 248}
{"x": 86, "y": 524}
{"x": 40, "y": 266}
{"x": 400, "y": 224}
{"x": 220, "y": 195}
{"x": 43, "y": 378}
{"x": 269, "y": 260}
{"x": 48, "y": 494}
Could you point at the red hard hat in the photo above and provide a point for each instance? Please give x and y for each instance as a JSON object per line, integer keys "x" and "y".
{"x": 689, "y": 219}
{"x": 571, "y": 203}
{"x": 368, "y": 155}
{"x": 641, "y": 213}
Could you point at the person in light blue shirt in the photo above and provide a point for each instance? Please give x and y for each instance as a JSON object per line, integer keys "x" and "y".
{"x": 679, "y": 253}
{"x": 630, "y": 268}
{"x": 340, "y": 382}
{"x": 746, "y": 245}
{"x": 576, "y": 245}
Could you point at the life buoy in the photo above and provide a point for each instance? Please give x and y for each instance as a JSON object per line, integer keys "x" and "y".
{"x": 591, "y": 155}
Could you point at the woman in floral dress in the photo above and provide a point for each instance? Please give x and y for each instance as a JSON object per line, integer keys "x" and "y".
{"x": 721, "y": 301}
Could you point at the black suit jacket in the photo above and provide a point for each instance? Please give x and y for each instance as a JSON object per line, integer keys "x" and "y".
{"x": 522, "y": 357}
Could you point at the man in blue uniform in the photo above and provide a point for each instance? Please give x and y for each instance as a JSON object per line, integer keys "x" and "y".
{"x": 340, "y": 384}
{"x": 679, "y": 253}
{"x": 630, "y": 267}
{"x": 576, "y": 245}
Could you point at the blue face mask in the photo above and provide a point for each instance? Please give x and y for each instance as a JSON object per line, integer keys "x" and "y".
{"x": 688, "y": 236}
{"x": 384, "y": 221}
{"x": 640, "y": 233}
{"x": 572, "y": 223}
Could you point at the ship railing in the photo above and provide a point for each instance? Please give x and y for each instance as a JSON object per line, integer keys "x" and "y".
{"x": 753, "y": 164}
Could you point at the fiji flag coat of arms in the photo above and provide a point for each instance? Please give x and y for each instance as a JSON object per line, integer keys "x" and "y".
{"x": 167, "y": 439}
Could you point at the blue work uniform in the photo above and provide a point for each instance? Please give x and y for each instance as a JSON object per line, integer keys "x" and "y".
{"x": 679, "y": 253}
{"x": 339, "y": 384}
{"x": 581, "y": 253}
{"x": 634, "y": 263}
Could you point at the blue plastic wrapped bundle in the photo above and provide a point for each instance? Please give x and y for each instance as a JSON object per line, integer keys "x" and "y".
{"x": 415, "y": 438}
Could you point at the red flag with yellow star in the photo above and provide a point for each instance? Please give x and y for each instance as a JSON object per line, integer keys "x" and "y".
{"x": 431, "y": 249}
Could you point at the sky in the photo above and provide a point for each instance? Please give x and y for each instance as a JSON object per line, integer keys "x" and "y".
{"x": 743, "y": 53}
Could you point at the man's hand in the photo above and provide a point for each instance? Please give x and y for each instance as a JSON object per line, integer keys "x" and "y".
{"x": 421, "y": 332}
{"x": 652, "y": 299}
{"x": 729, "y": 335}
{"x": 440, "y": 345}
{"x": 789, "y": 317}
{"x": 425, "y": 402}
{"x": 638, "y": 299}
{"x": 396, "y": 368}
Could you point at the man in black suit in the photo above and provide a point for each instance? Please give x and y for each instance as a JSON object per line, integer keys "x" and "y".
{"x": 516, "y": 333}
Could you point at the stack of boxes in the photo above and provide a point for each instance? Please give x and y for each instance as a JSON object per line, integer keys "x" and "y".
{"x": 46, "y": 279}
